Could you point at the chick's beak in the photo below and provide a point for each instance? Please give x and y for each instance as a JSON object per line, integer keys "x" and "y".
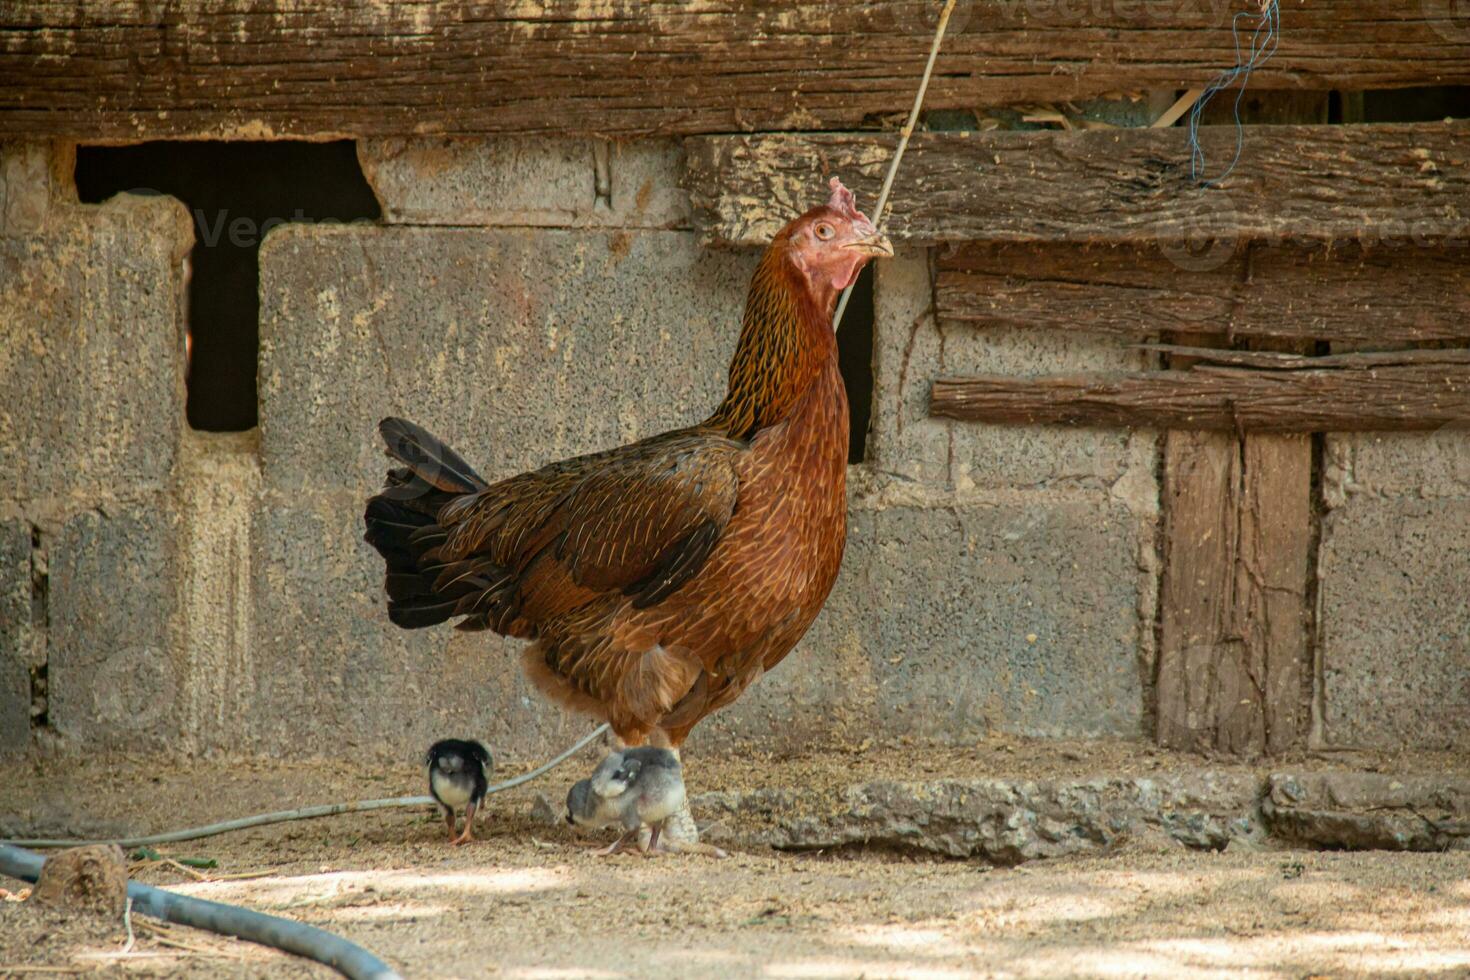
{"x": 876, "y": 244}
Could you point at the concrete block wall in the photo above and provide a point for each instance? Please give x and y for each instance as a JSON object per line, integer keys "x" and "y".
{"x": 1015, "y": 566}
{"x": 531, "y": 299}
{"x": 1394, "y": 594}
{"x": 91, "y": 430}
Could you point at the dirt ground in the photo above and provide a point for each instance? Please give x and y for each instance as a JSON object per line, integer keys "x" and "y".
{"x": 529, "y": 901}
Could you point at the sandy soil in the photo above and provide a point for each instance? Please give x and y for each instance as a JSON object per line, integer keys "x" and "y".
{"x": 530, "y": 902}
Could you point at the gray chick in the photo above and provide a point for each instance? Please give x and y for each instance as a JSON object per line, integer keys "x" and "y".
{"x": 632, "y": 788}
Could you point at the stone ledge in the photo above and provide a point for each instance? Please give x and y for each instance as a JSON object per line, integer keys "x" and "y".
{"x": 1011, "y": 821}
{"x": 999, "y": 802}
{"x": 998, "y": 820}
{"x": 1362, "y": 811}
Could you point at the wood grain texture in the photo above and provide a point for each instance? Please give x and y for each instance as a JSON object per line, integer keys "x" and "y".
{"x": 1228, "y": 399}
{"x": 1286, "y": 361}
{"x": 1271, "y": 584}
{"x": 1390, "y": 294}
{"x": 101, "y": 69}
{"x": 1401, "y": 183}
{"x": 1233, "y": 666}
{"x": 1233, "y": 626}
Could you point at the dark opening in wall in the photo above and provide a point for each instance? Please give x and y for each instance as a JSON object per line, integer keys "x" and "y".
{"x": 1405, "y": 105}
{"x": 236, "y": 193}
{"x": 1417, "y": 104}
{"x": 855, "y": 357}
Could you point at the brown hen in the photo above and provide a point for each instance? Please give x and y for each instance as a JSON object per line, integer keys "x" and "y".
{"x": 659, "y": 580}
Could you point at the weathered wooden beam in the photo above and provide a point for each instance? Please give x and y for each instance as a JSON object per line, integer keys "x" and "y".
{"x": 1397, "y": 292}
{"x": 1392, "y": 184}
{"x": 1232, "y": 597}
{"x": 1285, "y": 361}
{"x": 1234, "y": 671}
{"x": 1229, "y": 399}
{"x": 99, "y": 69}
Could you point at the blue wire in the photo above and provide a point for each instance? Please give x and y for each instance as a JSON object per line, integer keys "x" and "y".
{"x": 1264, "y": 41}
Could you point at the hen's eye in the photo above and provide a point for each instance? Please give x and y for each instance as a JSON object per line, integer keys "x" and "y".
{"x": 824, "y": 231}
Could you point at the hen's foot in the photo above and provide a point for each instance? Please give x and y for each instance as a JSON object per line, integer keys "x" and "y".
{"x": 695, "y": 847}
{"x": 612, "y": 848}
{"x": 678, "y": 835}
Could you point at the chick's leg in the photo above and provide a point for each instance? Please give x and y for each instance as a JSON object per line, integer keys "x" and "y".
{"x": 449, "y": 822}
{"x": 677, "y": 828}
{"x": 469, "y": 821}
{"x": 652, "y": 847}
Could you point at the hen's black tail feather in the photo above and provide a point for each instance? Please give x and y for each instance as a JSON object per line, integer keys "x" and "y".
{"x": 401, "y": 521}
{"x": 429, "y": 459}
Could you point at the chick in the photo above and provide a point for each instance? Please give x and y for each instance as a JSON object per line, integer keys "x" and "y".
{"x": 632, "y": 788}
{"x": 458, "y": 777}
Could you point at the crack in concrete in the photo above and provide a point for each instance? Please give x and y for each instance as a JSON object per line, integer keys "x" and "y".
{"x": 40, "y": 718}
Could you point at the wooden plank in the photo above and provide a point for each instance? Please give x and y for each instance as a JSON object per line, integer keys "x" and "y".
{"x": 1233, "y": 638}
{"x": 1395, "y": 183}
{"x": 1200, "y": 490}
{"x": 1229, "y": 399}
{"x": 1235, "y": 679}
{"x": 1286, "y": 361}
{"x": 1272, "y": 614}
{"x": 1271, "y": 611}
{"x": 99, "y": 69}
{"x": 1390, "y": 294}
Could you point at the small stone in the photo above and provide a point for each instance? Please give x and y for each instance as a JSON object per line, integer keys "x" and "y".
{"x": 544, "y": 812}
{"x": 93, "y": 878}
{"x": 1287, "y": 790}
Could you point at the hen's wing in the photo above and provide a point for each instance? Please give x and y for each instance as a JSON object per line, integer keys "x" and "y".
{"x": 639, "y": 520}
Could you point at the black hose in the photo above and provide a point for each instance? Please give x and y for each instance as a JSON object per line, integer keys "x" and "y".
{"x": 346, "y": 958}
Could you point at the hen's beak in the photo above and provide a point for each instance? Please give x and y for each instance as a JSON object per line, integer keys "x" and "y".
{"x": 875, "y": 244}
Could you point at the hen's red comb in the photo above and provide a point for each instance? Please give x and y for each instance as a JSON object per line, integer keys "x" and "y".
{"x": 842, "y": 200}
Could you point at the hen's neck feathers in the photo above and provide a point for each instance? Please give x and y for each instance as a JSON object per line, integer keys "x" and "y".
{"x": 786, "y": 338}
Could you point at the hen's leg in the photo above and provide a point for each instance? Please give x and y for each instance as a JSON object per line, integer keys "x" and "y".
{"x": 680, "y": 828}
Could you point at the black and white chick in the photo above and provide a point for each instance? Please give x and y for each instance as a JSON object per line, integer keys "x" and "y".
{"x": 633, "y": 788}
{"x": 459, "y": 772}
